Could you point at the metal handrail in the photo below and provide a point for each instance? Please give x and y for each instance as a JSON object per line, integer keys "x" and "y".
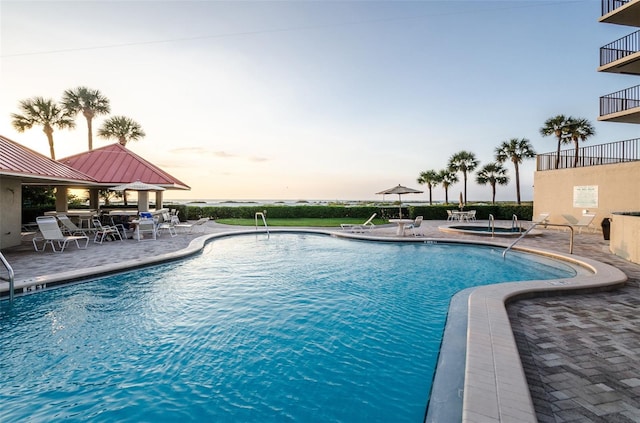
{"x": 264, "y": 220}
{"x": 11, "y": 275}
{"x": 492, "y": 225}
{"x": 504, "y": 253}
{"x": 514, "y": 222}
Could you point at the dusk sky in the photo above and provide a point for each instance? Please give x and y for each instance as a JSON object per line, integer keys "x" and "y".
{"x": 313, "y": 100}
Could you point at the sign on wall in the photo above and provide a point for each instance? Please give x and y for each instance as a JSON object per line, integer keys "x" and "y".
{"x": 585, "y": 196}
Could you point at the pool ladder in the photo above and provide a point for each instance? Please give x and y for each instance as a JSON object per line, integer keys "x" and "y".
{"x": 10, "y": 277}
{"x": 264, "y": 220}
{"x": 492, "y": 225}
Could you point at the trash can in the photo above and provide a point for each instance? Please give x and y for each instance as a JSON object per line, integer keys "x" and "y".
{"x": 606, "y": 228}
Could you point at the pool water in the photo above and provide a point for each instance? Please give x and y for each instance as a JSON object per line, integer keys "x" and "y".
{"x": 299, "y": 328}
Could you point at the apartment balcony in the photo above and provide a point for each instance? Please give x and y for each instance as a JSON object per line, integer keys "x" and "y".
{"x": 621, "y": 106}
{"x": 622, "y": 55}
{"x": 621, "y": 12}
{"x": 593, "y": 155}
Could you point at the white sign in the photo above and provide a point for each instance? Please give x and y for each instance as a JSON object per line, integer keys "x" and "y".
{"x": 585, "y": 196}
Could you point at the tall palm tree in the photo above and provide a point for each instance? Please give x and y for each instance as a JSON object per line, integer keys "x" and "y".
{"x": 45, "y": 112}
{"x": 556, "y": 126}
{"x": 447, "y": 178}
{"x": 492, "y": 174}
{"x": 465, "y": 162}
{"x": 579, "y": 129}
{"x": 515, "y": 150}
{"x": 431, "y": 179}
{"x": 121, "y": 128}
{"x": 89, "y": 102}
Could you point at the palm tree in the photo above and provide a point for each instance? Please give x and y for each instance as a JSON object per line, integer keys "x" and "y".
{"x": 121, "y": 128}
{"x": 431, "y": 179}
{"x": 447, "y": 178}
{"x": 579, "y": 129}
{"x": 89, "y": 102}
{"x": 556, "y": 126}
{"x": 465, "y": 162}
{"x": 515, "y": 150}
{"x": 45, "y": 112}
{"x": 492, "y": 174}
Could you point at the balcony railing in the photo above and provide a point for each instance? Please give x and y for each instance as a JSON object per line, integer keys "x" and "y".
{"x": 593, "y": 155}
{"x": 611, "y": 5}
{"x": 620, "y": 48}
{"x": 620, "y": 101}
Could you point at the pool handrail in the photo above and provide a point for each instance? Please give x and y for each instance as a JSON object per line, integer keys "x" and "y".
{"x": 264, "y": 220}
{"x": 504, "y": 253}
{"x": 11, "y": 276}
{"x": 492, "y": 225}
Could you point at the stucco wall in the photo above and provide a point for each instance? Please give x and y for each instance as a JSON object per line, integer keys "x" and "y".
{"x": 625, "y": 237}
{"x": 618, "y": 190}
{"x": 10, "y": 212}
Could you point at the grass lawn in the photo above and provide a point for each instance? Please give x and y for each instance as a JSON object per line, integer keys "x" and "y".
{"x": 312, "y": 222}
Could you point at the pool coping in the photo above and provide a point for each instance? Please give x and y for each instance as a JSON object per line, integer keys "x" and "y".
{"x": 495, "y": 386}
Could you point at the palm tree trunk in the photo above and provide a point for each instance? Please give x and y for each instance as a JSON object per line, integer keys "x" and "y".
{"x": 575, "y": 159}
{"x": 430, "y": 202}
{"x": 517, "y": 181}
{"x": 493, "y": 190}
{"x": 90, "y": 132}
{"x": 558, "y": 154}
{"x": 465, "y": 187}
{"x": 446, "y": 196}
{"x": 48, "y": 130}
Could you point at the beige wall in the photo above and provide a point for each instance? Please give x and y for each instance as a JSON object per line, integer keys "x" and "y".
{"x": 618, "y": 190}
{"x": 10, "y": 212}
{"x": 625, "y": 237}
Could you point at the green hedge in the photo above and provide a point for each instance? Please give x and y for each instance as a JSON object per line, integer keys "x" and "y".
{"x": 436, "y": 212}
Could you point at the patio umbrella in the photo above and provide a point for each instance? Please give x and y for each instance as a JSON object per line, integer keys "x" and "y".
{"x": 400, "y": 189}
{"x": 143, "y": 199}
{"x": 137, "y": 186}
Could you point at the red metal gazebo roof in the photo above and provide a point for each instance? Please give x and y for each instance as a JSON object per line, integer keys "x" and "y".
{"x": 115, "y": 164}
{"x": 31, "y": 166}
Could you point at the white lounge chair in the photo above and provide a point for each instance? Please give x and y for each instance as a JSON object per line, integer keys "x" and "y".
{"x": 584, "y": 221}
{"x": 188, "y": 227}
{"x": 415, "y": 225}
{"x": 70, "y": 228}
{"x": 368, "y": 225}
{"x": 541, "y": 219}
{"x": 51, "y": 234}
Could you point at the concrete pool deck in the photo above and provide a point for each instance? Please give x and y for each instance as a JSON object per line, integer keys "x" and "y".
{"x": 573, "y": 374}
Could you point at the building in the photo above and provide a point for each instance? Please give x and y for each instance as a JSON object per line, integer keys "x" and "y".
{"x": 605, "y": 179}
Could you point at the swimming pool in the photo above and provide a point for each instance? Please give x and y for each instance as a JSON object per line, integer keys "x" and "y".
{"x": 290, "y": 327}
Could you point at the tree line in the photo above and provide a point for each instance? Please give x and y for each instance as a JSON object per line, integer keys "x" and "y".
{"x": 567, "y": 130}
{"x": 46, "y": 112}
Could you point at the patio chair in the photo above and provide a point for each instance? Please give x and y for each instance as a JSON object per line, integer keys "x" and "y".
{"x": 451, "y": 216}
{"x": 188, "y": 227}
{"x": 145, "y": 227}
{"x": 368, "y": 225}
{"x": 415, "y": 225}
{"x": 166, "y": 224}
{"x": 51, "y": 234}
{"x": 106, "y": 232}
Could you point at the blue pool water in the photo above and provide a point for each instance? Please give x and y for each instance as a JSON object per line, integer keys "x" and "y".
{"x": 293, "y": 328}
